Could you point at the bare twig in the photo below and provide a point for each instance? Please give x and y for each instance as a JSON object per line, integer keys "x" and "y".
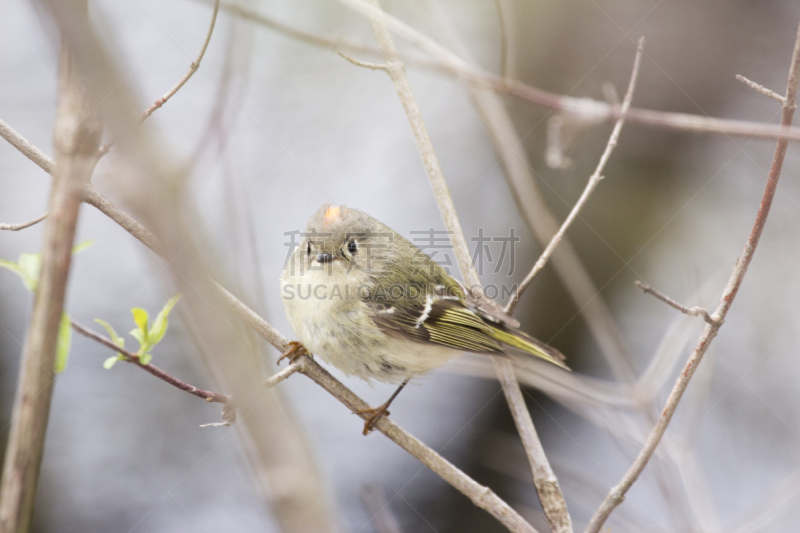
{"x": 76, "y": 136}
{"x": 189, "y": 73}
{"x": 175, "y": 88}
{"x": 617, "y": 494}
{"x": 23, "y": 225}
{"x": 761, "y": 89}
{"x": 694, "y": 311}
{"x": 545, "y": 481}
{"x": 280, "y": 376}
{"x": 593, "y": 181}
{"x": 133, "y": 358}
{"x": 373, "y": 66}
{"x": 23, "y": 145}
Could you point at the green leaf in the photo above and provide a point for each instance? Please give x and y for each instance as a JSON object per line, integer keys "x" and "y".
{"x": 141, "y": 317}
{"x": 13, "y": 267}
{"x": 116, "y": 339}
{"x": 29, "y": 266}
{"x": 160, "y": 324}
{"x": 145, "y": 358}
{"x": 81, "y": 246}
{"x": 139, "y": 336}
{"x": 64, "y": 342}
{"x": 111, "y": 361}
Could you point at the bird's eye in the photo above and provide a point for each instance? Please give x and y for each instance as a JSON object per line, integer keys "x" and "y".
{"x": 308, "y": 251}
{"x": 352, "y": 247}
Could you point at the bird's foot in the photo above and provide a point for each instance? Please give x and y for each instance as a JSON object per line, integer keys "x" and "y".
{"x": 295, "y": 350}
{"x": 373, "y": 414}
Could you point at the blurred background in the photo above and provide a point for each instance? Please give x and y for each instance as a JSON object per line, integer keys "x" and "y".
{"x": 271, "y": 127}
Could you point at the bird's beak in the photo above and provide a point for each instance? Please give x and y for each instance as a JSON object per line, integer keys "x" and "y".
{"x": 324, "y": 258}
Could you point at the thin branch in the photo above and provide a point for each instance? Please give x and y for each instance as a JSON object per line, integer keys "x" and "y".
{"x": 76, "y": 137}
{"x": 544, "y": 479}
{"x": 761, "y": 89}
{"x": 23, "y": 145}
{"x": 451, "y": 64}
{"x": 189, "y": 73}
{"x": 280, "y": 376}
{"x": 617, "y": 494}
{"x": 373, "y": 66}
{"x": 133, "y": 358}
{"x": 518, "y": 173}
{"x": 23, "y": 225}
{"x": 590, "y": 186}
{"x": 175, "y": 88}
{"x": 397, "y": 73}
{"x": 694, "y": 311}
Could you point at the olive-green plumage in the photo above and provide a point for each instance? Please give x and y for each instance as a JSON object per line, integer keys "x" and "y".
{"x": 368, "y": 301}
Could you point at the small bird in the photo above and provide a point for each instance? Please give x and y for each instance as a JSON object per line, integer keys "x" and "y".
{"x": 372, "y": 304}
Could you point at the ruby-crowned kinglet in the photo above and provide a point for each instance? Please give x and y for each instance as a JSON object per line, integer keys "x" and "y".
{"x": 372, "y": 304}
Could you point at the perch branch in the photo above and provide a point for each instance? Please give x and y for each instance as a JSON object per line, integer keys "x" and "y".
{"x": 23, "y": 225}
{"x": 133, "y": 358}
{"x": 694, "y": 311}
{"x": 761, "y": 89}
{"x": 175, "y": 88}
{"x": 76, "y": 137}
{"x": 590, "y": 186}
{"x": 481, "y": 496}
{"x": 617, "y": 493}
{"x": 544, "y": 479}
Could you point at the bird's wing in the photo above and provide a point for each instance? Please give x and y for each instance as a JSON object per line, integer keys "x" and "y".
{"x": 487, "y": 308}
{"x": 436, "y": 317}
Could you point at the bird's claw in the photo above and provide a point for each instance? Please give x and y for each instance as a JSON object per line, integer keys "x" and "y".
{"x": 373, "y": 414}
{"x": 295, "y": 350}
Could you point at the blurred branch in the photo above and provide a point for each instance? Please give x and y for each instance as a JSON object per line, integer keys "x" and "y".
{"x": 617, "y": 494}
{"x": 175, "y": 88}
{"x": 544, "y": 479}
{"x": 379, "y": 511}
{"x": 693, "y": 311}
{"x": 23, "y": 225}
{"x": 594, "y": 179}
{"x": 504, "y": 40}
{"x": 761, "y": 89}
{"x": 76, "y": 136}
{"x": 133, "y": 358}
{"x": 281, "y": 462}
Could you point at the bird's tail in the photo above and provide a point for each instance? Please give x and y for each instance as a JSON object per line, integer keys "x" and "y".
{"x": 523, "y": 342}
